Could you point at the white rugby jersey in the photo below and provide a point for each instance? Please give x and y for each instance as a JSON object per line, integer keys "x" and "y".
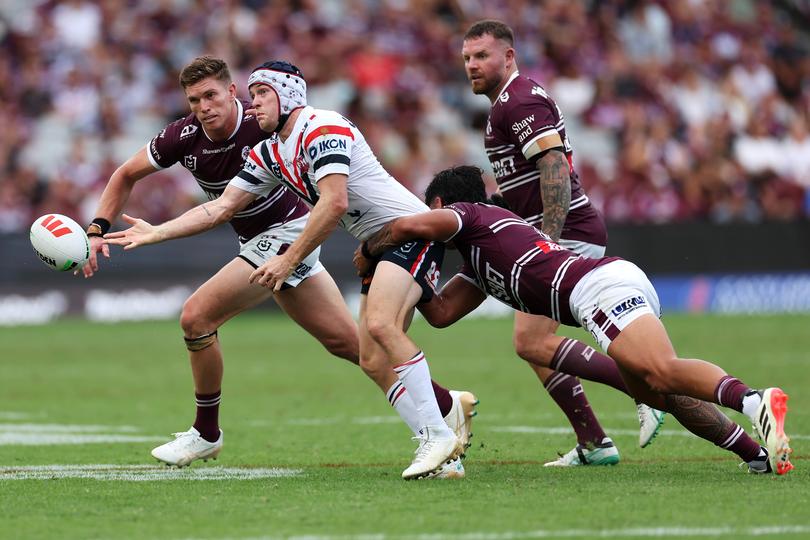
{"x": 321, "y": 143}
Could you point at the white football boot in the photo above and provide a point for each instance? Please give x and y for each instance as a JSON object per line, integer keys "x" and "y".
{"x": 431, "y": 454}
{"x": 650, "y": 421}
{"x": 459, "y": 419}
{"x": 450, "y": 469}
{"x": 605, "y": 453}
{"x": 769, "y": 423}
{"x": 186, "y": 447}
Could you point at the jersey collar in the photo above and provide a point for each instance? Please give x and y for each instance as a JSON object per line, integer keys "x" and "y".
{"x": 508, "y": 82}
{"x": 239, "y": 114}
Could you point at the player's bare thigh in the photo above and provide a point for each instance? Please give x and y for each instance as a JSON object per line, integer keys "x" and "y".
{"x": 226, "y": 294}
{"x": 318, "y": 307}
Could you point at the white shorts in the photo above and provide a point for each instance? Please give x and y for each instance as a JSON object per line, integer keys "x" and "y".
{"x": 275, "y": 241}
{"x": 610, "y": 297}
{"x": 585, "y": 249}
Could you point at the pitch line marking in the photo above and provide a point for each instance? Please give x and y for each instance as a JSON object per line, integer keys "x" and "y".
{"x": 634, "y": 532}
{"x": 140, "y": 473}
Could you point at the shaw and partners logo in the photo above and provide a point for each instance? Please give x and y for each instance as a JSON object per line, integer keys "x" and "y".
{"x": 628, "y": 305}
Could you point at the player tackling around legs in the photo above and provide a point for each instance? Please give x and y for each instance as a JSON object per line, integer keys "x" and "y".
{"x": 507, "y": 258}
{"x": 532, "y": 158}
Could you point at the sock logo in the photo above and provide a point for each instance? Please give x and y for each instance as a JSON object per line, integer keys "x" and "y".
{"x": 587, "y": 353}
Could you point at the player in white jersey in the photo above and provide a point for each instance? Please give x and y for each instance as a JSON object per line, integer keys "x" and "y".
{"x": 324, "y": 159}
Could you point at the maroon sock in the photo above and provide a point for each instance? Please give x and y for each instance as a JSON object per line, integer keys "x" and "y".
{"x": 443, "y": 398}
{"x": 569, "y": 395}
{"x": 738, "y": 441}
{"x": 578, "y": 359}
{"x": 207, "y": 421}
{"x": 709, "y": 423}
{"x": 730, "y": 392}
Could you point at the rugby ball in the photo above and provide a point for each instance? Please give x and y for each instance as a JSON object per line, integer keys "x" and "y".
{"x": 60, "y": 242}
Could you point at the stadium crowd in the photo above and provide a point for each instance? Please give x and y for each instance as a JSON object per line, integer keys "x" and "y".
{"x": 678, "y": 110}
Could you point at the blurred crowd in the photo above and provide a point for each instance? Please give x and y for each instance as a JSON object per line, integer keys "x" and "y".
{"x": 678, "y": 110}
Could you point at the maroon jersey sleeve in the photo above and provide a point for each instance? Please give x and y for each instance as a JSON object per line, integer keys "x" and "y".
{"x": 164, "y": 150}
{"x": 467, "y": 273}
{"x": 532, "y": 117}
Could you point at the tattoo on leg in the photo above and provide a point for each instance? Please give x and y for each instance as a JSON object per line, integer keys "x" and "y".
{"x": 700, "y": 417}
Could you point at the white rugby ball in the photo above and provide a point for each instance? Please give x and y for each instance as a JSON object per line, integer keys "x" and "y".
{"x": 60, "y": 242}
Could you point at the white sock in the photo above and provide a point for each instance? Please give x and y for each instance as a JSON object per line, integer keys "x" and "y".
{"x": 750, "y": 404}
{"x": 415, "y": 375}
{"x": 401, "y": 401}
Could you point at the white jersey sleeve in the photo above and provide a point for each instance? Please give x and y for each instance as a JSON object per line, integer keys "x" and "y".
{"x": 256, "y": 176}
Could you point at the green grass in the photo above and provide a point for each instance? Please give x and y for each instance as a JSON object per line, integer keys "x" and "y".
{"x": 286, "y": 403}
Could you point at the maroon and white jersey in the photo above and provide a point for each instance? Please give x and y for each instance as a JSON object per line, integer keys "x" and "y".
{"x": 523, "y": 116}
{"x": 213, "y": 164}
{"x": 512, "y": 261}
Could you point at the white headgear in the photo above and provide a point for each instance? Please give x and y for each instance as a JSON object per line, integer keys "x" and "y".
{"x": 286, "y": 80}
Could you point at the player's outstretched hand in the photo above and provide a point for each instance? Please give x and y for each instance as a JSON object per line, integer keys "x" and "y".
{"x": 91, "y": 266}
{"x": 141, "y": 233}
{"x": 361, "y": 263}
{"x": 274, "y": 272}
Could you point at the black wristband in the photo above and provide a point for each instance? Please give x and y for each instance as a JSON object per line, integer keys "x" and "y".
{"x": 99, "y": 227}
{"x": 364, "y": 250}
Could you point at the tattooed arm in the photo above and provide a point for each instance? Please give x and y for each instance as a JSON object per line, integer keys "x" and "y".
{"x": 555, "y": 191}
{"x": 200, "y": 218}
{"x": 438, "y": 225}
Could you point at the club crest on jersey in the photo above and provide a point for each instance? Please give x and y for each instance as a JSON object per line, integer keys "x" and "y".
{"x": 504, "y": 97}
{"x": 188, "y": 131}
{"x": 275, "y": 169}
{"x": 190, "y": 162}
{"x": 628, "y": 305}
{"x": 302, "y": 164}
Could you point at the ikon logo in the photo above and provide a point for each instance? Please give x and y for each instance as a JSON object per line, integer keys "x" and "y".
{"x": 53, "y": 225}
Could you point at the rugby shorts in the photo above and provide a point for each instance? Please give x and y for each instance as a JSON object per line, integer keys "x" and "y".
{"x": 275, "y": 241}
{"x": 422, "y": 260}
{"x": 608, "y": 298}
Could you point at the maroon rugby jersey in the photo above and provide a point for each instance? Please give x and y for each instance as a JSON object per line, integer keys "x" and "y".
{"x": 214, "y": 164}
{"x": 517, "y": 264}
{"x": 523, "y": 114}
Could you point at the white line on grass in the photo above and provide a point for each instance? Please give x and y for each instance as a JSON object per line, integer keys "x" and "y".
{"x": 139, "y": 473}
{"x": 640, "y": 532}
{"x": 49, "y": 439}
{"x": 66, "y": 428}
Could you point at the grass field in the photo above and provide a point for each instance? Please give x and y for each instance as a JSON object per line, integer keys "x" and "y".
{"x": 313, "y": 449}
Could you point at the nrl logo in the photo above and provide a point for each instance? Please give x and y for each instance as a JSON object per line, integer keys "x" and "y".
{"x": 188, "y": 130}
{"x": 190, "y": 162}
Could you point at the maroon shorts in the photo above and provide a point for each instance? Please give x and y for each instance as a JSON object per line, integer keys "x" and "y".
{"x": 422, "y": 259}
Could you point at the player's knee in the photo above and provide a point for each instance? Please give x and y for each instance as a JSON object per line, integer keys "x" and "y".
{"x": 659, "y": 377}
{"x": 532, "y": 349}
{"x": 194, "y": 319}
{"x": 342, "y": 348}
{"x": 381, "y": 329}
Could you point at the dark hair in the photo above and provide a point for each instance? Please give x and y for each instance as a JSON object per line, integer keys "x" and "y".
{"x": 457, "y": 184}
{"x": 494, "y": 28}
{"x": 282, "y": 66}
{"x": 202, "y": 68}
